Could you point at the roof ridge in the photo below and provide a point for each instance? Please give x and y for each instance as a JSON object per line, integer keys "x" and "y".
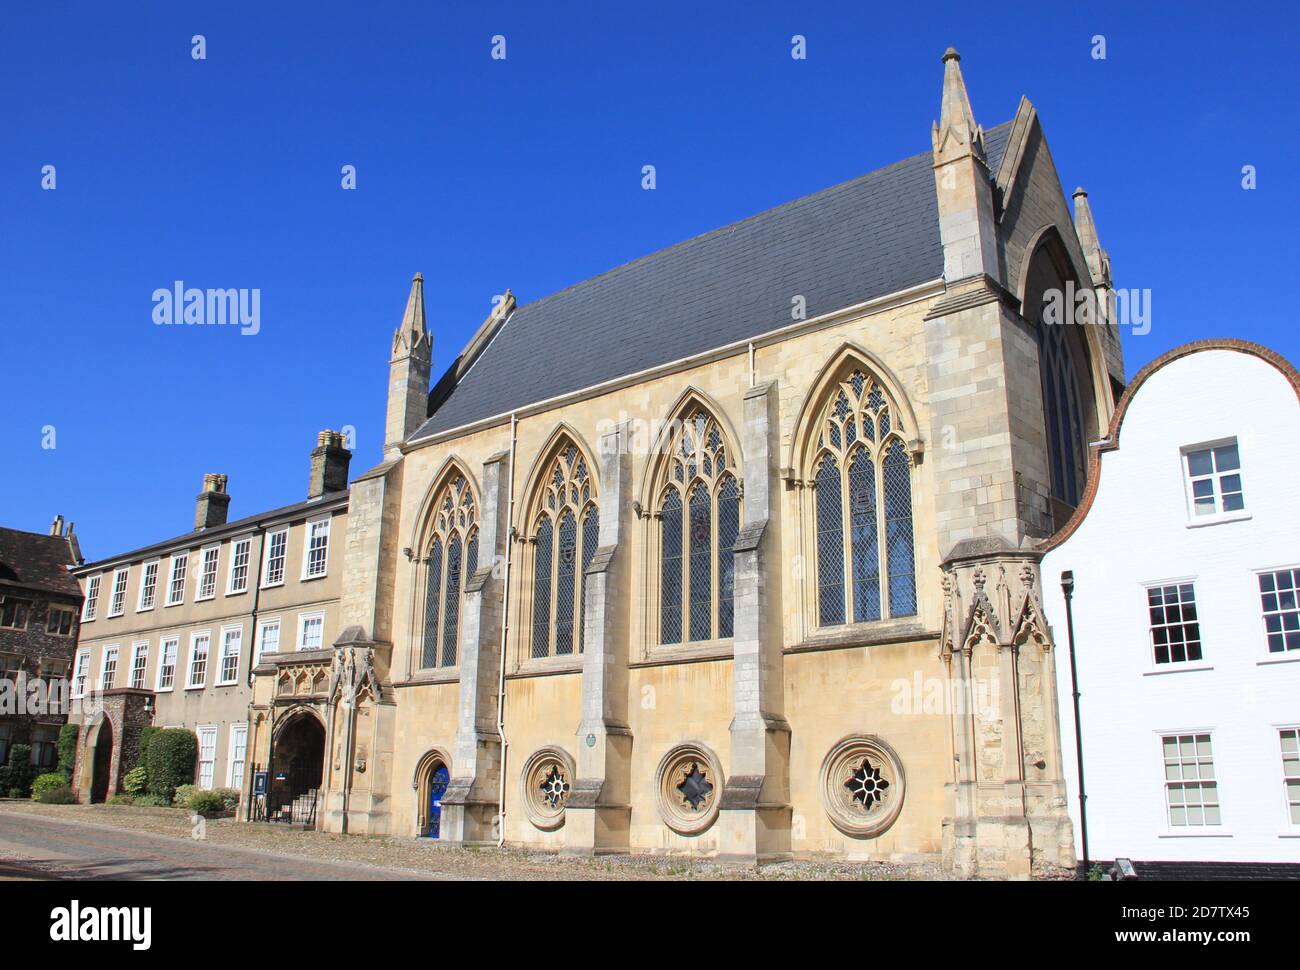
{"x": 732, "y": 226}
{"x": 225, "y": 528}
{"x": 727, "y": 228}
{"x": 872, "y": 234}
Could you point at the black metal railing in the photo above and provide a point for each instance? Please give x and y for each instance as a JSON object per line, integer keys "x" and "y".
{"x": 275, "y": 804}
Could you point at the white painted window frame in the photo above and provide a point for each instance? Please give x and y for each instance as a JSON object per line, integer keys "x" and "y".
{"x": 1205, "y": 829}
{"x": 226, "y": 631}
{"x": 195, "y": 637}
{"x": 1290, "y": 826}
{"x": 179, "y": 562}
{"x": 1218, "y": 515}
{"x": 303, "y": 619}
{"x": 117, "y": 592}
{"x": 151, "y": 568}
{"x": 309, "y": 531}
{"x": 263, "y": 625}
{"x": 91, "y": 605}
{"x": 268, "y": 547}
{"x": 140, "y": 648}
{"x": 80, "y": 673}
{"x": 214, "y": 553}
{"x": 175, "y": 640}
{"x": 111, "y": 651}
{"x": 235, "y": 779}
{"x": 210, "y": 730}
{"x": 247, "y": 543}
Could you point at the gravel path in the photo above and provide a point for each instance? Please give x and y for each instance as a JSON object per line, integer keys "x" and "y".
{"x": 114, "y": 841}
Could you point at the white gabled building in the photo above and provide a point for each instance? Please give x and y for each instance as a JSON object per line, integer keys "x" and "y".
{"x": 1185, "y": 555}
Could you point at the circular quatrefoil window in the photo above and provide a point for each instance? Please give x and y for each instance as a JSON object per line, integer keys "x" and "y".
{"x": 862, "y": 786}
{"x": 548, "y": 779}
{"x": 690, "y": 787}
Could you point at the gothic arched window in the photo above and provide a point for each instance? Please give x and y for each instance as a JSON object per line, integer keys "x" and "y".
{"x": 565, "y": 535}
{"x": 1061, "y": 413}
{"x": 861, "y": 478}
{"x": 451, "y": 555}
{"x": 699, "y": 519}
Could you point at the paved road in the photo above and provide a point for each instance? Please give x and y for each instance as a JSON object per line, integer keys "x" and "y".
{"x": 39, "y": 848}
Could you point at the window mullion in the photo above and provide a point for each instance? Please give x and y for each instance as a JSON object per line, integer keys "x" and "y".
{"x": 715, "y": 588}
{"x": 442, "y": 600}
{"x": 882, "y": 566}
{"x": 553, "y": 621}
{"x": 846, "y": 537}
{"x": 684, "y": 594}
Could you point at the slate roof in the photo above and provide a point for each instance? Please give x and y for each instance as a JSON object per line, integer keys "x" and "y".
{"x": 865, "y": 238}
{"x": 37, "y": 561}
{"x": 196, "y": 536}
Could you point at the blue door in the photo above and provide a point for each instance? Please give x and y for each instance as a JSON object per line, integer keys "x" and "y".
{"x": 437, "y": 788}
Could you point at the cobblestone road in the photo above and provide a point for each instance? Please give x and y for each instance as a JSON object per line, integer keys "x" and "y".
{"x": 40, "y": 848}
{"x": 125, "y": 842}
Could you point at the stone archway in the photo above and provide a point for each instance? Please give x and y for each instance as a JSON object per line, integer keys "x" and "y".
{"x": 101, "y": 763}
{"x": 432, "y": 776}
{"x": 297, "y": 759}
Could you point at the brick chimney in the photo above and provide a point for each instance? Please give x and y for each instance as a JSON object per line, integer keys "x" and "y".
{"x": 329, "y": 465}
{"x": 212, "y": 503}
{"x": 56, "y": 527}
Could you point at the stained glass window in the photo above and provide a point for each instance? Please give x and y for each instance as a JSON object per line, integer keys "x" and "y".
{"x": 451, "y": 555}
{"x": 728, "y": 530}
{"x": 862, "y": 505}
{"x": 451, "y": 606}
{"x": 1061, "y": 412}
{"x": 566, "y": 530}
{"x": 699, "y": 520}
{"x": 670, "y": 523}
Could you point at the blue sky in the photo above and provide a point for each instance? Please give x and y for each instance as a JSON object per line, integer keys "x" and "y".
{"x": 525, "y": 173}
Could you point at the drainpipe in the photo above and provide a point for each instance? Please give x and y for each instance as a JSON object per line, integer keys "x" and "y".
{"x": 1067, "y": 587}
{"x": 245, "y": 782}
{"x": 505, "y": 627}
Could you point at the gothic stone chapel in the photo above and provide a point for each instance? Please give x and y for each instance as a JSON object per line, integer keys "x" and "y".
{"x": 560, "y": 631}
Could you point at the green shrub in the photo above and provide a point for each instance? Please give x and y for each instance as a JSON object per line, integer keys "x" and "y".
{"x": 136, "y": 781}
{"x": 58, "y": 796}
{"x": 170, "y": 760}
{"x": 183, "y": 795}
{"x": 152, "y": 801}
{"x": 120, "y": 800}
{"x": 229, "y": 798}
{"x": 207, "y": 803}
{"x": 16, "y": 777}
{"x": 146, "y": 734}
{"x": 68, "y": 735}
{"x": 46, "y": 782}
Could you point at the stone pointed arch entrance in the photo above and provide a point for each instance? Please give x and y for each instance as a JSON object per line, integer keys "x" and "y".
{"x": 101, "y": 762}
{"x": 432, "y": 776}
{"x": 297, "y": 760}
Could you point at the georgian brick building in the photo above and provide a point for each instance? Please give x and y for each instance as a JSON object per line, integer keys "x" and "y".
{"x": 674, "y": 559}
{"x": 40, "y": 603}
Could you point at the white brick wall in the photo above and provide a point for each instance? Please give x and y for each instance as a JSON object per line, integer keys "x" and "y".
{"x": 1137, "y": 533}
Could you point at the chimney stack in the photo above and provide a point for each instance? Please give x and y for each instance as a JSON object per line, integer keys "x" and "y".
{"x": 212, "y": 503}
{"x": 56, "y": 527}
{"x": 329, "y": 465}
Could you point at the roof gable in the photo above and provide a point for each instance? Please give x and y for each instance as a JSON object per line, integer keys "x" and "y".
{"x": 37, "y": 561}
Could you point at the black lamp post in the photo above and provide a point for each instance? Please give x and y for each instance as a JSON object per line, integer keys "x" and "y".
{"x": 1067, "y": 587}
